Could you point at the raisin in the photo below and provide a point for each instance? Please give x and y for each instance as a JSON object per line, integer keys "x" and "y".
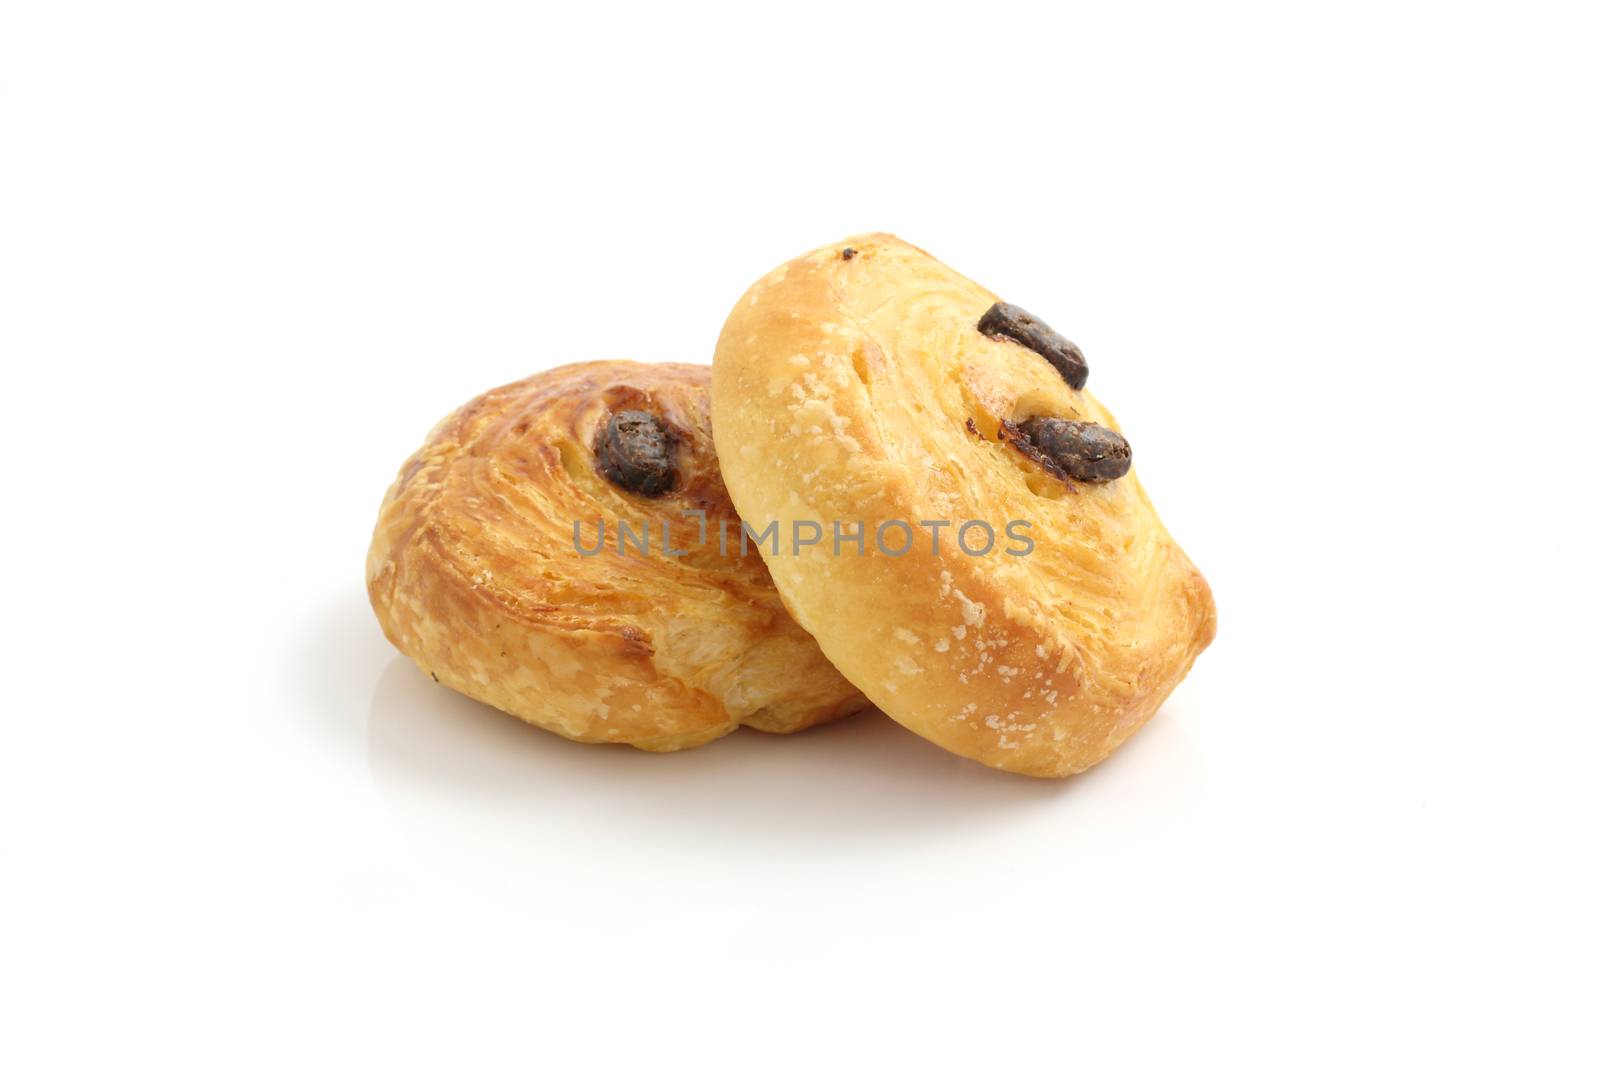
{"x": 1007, "y": 322}
{"x": 634, "y": 452}
{"x": 1086, "y": 451}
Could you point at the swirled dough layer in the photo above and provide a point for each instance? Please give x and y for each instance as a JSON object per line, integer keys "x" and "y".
{"x": 852, "y": 385}
{"x": 475, "y": 572}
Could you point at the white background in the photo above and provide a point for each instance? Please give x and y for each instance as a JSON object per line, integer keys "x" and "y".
{"x": 1336, "y": 270}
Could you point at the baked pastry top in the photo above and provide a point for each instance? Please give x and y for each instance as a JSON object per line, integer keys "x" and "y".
{"x": 867, "y": 383}
{"x": 475, "y": 569}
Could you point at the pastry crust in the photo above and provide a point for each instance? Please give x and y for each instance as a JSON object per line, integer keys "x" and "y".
{"x": 857, "y": 388}
{"x": 474, "y": 573}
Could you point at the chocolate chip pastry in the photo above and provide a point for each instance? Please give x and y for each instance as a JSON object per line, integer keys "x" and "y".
{"x": 500, "y": 566}
{"x": 868, "y": 383}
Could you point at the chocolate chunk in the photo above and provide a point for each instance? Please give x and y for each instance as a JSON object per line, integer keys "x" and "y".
{"x": 634, "y": 451}
{"x": 1086, "y": 451}
{"x": 848, "y": 253}
{"x": 1007, "y": 322}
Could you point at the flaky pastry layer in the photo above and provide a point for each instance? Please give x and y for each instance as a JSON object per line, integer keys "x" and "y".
{"x": 474, "y": 573}
{"x": 852, "y": 385}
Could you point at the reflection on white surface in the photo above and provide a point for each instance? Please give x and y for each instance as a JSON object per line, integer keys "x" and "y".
{"x": 864, "y": 777}
{"x": 754, "y": 823}
{"x": 523, "y": 814}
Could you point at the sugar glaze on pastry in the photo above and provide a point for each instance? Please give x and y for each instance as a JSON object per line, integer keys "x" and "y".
{"x": 868, "y": 382}
{"x": 474, "y": 574}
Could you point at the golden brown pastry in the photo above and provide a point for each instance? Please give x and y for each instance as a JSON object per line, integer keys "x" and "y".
{"x": 869, "y": 383}
{"x": 479, "y": 574}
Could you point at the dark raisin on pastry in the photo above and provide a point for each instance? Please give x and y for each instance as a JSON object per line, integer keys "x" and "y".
{"x": 1007, "y": 322}
{"x": 1086, "y": 451}
{"x": 634, "y": 452}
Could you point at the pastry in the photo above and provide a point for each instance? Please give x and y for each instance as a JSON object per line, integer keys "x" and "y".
{"x": 554, "y": 550}
{"x": 988, "y": 571}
